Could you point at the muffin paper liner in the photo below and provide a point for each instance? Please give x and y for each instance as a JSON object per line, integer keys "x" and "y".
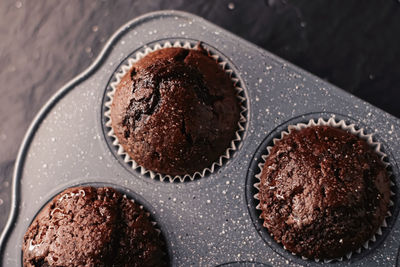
{"x": 117, "y": 76}
{"x": 349, "y": 128}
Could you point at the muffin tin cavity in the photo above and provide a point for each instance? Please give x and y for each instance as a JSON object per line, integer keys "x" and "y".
{"x": 131, "y": 196}
{"x": 258, "y": 162}
{"x": 135, "y": 56}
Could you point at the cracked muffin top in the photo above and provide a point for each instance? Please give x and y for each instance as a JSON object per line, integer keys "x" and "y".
{"x": 323, "y": 192}
{"x": 175, "y": 111}
{"x": 87, "y": 226}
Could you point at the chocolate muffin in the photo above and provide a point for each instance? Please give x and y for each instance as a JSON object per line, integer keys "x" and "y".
{"x": 323, "y": 192}
{"x": 175, "y": 111}
{"x": 87, "y": 226}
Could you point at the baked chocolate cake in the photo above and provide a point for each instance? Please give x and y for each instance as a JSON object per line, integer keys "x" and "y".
{"x": 323, "y": 192}
{"x": 175, "y": 111}
{"x": 87, "y": 226}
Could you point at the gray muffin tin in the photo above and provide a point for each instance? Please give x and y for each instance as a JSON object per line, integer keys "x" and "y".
{"x": 210, "y": 221}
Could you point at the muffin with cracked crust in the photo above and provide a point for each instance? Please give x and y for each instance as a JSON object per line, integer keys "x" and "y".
{"x": 175, "y": 111}
{"x": 323, "y": 192}
{"x": 88, "y": 226}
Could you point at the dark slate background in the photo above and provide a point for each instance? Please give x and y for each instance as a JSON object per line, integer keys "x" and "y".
{"x": 354, "y": 44}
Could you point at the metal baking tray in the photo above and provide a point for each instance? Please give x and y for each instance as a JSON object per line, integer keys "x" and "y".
{"x": 210, "y": 221}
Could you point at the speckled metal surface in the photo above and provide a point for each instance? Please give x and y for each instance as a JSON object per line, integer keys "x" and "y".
{"x": 206, "y": 222}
